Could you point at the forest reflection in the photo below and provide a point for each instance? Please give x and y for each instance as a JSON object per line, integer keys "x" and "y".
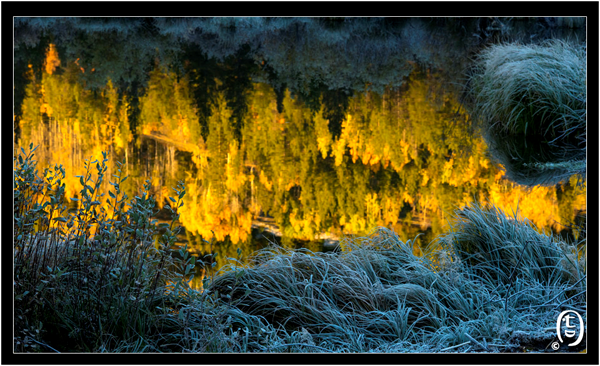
{"x": 265, "y": 160}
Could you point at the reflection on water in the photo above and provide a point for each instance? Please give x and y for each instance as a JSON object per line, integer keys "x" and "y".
{"x": 265, "y": 161}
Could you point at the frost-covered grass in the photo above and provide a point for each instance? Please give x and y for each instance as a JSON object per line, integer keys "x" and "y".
{"x": 489, "y": 282}
{"x": 92, "y": 281}
{"x": 535, "y": 89}
{"x": 533, "y": 95}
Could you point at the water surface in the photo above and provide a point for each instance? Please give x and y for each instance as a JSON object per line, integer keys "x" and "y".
{"x": 294, "y": 131}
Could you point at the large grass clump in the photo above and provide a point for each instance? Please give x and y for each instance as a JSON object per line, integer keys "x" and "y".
{"x": 482, "y": 291}
{"x": 535, "y": 89}
{"x": 500, "y": 249}
{"x": 533, "y": 93}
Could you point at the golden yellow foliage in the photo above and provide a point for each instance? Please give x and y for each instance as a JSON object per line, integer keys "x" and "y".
{"x": 235, "y": 178}
{"x": 373, "y": 209}
{"x": 425, "y": 178}
{"x": 262, "y": 178}
{"x": 324, "y": 138}
{"x": 407, "y": 198}
{"x": 52, "y": 61}
{"x": 339, "y": 148}
{"x": 391, "y": 210}
{"x": 428, "y": 161}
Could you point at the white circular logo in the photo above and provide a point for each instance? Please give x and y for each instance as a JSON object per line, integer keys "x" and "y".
{"x": 570, "y": 328}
